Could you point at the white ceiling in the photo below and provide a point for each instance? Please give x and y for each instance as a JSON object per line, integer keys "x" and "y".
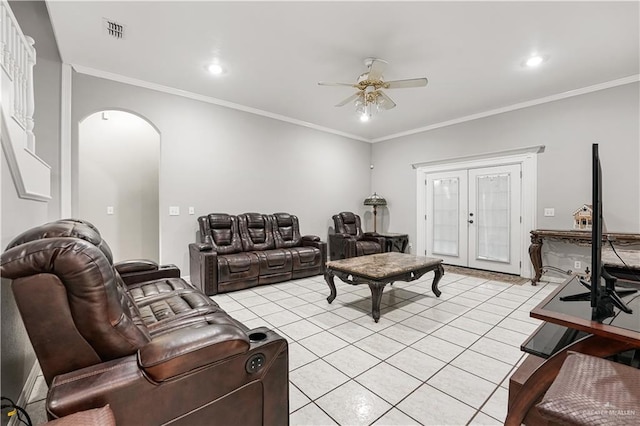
{"x": 276, "y": 52}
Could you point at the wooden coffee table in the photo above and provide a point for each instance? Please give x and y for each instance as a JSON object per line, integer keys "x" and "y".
{"x": 378, "y": 270}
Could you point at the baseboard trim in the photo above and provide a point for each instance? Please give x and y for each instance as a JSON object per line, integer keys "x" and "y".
{"x": 26, "y": 391}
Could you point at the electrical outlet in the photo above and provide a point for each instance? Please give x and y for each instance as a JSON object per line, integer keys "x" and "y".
{"x": 549, "y": 211}
{"x": 109, "y": 209}
{"x": 577, "y": 265}
{"x": 174, "y": 211}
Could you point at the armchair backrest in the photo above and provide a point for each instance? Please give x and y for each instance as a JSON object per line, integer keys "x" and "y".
{"x": 76, "y": 228}
{"x": 69, "y": 297}
{"x": 221, "y": 231}
{"x": 286, "y": 230}
{"x": 348, "y": 223}
{"x": 256, "y": 231}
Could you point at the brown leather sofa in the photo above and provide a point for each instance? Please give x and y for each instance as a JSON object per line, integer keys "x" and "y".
{"x": 251, "y": 249}
{"x": 157, "y": 351}
{"x": 349, "y": 240}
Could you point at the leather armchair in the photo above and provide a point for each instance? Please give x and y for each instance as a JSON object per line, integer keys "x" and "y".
{"x": 349, "y": 240}
{"x": 157, "y": 352}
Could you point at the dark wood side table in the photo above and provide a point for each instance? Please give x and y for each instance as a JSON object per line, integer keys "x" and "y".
{"x": 394, "y": 242}
{"x": 572, "y": 237}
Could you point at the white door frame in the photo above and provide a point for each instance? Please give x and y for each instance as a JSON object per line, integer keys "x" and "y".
{"x": 528, "y": 160}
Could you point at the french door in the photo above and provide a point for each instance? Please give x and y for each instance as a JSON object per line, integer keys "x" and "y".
{"x": 473, "y": 217}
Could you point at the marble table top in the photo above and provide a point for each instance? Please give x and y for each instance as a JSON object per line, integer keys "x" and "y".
{"x": 383, "y": 265}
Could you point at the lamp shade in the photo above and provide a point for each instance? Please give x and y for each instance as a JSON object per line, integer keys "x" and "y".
{"x": 375, "y": 200}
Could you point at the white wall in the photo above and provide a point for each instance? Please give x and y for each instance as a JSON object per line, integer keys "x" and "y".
{"x": 567, "y": 128}
{"x": 221, "y": 160}
{"x": 18, "y": 215}
{"x": 118, "y": 167}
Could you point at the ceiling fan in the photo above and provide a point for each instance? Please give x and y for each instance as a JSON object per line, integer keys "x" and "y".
{"x": 370, "y": 98}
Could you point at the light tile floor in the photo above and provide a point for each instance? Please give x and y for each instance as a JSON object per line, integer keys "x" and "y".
{"x": 429, "y": 361}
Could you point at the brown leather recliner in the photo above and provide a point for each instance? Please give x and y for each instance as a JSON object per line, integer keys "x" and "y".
{"x": 349, "y": 240}
{"x": 156, "y": 351}
{"x": 251, "y": 249}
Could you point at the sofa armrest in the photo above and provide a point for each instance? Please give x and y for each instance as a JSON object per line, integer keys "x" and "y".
{"x": 347, "y": 236}
{"x": 183, "y": 350}
{"x": 202, "y": 246}
{"x": 203, "y": 268}
{"x": 135, "y": 265}
{"x": 340, "y": 245}
{"x": 141, "y": 270}
{"x": 314, "y": 241}
{"x": 194, "y": 397}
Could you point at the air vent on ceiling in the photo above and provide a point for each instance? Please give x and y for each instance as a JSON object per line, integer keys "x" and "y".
{"x": 113, "y": 28}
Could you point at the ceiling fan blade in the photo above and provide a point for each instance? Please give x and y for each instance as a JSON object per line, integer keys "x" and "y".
{"x": 386, "y": 102}
{"x": 349, "y": 99}
{"x": 376, "y": 69}
{"x": 401, "y": 84}
{"x": 326, "y": 83}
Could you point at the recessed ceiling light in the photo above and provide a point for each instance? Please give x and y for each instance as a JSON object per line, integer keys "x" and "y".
{"x": 534, "y": 61}
{"x": 215, "y": 69}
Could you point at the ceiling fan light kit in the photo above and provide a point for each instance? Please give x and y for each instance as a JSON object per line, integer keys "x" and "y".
{"x": 370, "y": 99}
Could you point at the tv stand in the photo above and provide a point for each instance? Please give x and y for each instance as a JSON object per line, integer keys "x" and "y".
{"x": 532, "y": 379}
{"x": 611, "y": 297}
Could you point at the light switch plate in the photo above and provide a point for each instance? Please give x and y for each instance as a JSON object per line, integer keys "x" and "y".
{"x": 109, "y": 209}
{"x": 192, "y": 210}
{"x": 549, "y": 211}
{"x": 174, "y": 211}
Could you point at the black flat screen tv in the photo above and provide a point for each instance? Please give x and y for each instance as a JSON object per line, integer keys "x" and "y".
{"x": 602, "y": 292}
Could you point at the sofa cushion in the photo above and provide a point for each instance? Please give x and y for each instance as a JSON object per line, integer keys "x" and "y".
{"x": 256, "y": 232}
{"x": 306, "y": 257}
{"x": 274, "y": 261}
{"x": 286, "y": 230}
{"x": 348, "y": 223}
{"x": 367, "y": 247}
{"x": 221, "y": 231}
{"x": 166, "y": 300}
{"x": 238, "y": 266}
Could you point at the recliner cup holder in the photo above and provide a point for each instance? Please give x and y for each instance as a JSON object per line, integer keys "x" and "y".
{"x": 257, "y": 336}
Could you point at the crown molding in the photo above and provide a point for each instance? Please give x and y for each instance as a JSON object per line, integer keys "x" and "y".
{"x": 546, "y": 99}
{"x": 208, "y": 99}
{"x": 215, "y": 101}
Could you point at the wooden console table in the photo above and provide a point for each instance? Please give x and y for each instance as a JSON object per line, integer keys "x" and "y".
{"x": 572, "y": 237}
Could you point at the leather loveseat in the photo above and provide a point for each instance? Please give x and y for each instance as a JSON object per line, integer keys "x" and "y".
{"x": 251, "y": 249}
{"x": 157, "y": 351}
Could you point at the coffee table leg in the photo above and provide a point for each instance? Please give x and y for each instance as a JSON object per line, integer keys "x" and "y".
{"x": 328, "y": 277}
{"x": 439, "y": 272}
{"x": 376, "y": 298}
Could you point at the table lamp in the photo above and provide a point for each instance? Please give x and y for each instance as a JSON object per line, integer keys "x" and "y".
{"x": 375, "y": 200}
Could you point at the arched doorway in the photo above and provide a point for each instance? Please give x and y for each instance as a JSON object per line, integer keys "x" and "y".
{"x": 118, "y": 182}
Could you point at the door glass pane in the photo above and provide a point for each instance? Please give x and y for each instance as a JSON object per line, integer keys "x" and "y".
{"x": 492, "y": 217}
{"x": 445, "y": 216}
